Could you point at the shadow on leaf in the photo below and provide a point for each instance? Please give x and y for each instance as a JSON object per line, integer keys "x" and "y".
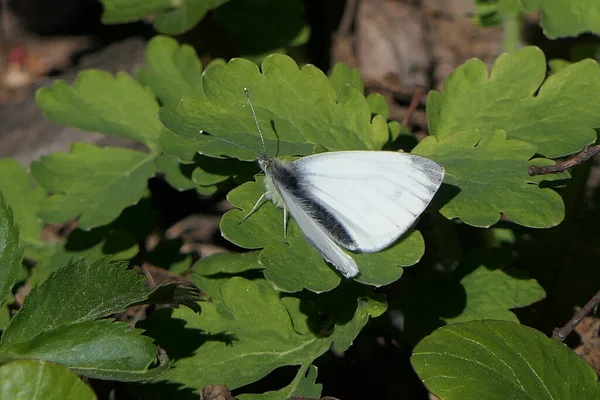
{"x": 175, "y": 338}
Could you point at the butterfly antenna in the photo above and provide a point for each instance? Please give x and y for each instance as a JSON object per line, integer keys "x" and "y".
{"x": 230, "y": 142}
{"x": 262, "y": 139}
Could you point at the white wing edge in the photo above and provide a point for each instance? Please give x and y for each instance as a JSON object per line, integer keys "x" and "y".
{"x": 318, "y": 238}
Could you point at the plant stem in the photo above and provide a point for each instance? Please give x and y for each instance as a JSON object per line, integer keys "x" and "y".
{"x": 513, "y": 25}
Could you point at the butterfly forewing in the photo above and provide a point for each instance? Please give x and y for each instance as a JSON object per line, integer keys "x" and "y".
{"x": 376, "y": 196}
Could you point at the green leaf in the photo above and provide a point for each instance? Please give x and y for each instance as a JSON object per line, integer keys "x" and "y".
{"x": 315, "y": 116}
{"x": 492, "y": 290}
{"x": 171, "y": 18}
{"x": 78, "y": 292}
{"x": 99, "y": 349}
{"x": 342, "y": 75}
{"x": 382, "y": 268}
{"x": 557, "y": 64}
{"x": 295, "y": 265}
{"x": 227, "y": 263}
{"x": 211, "y": 171}
{"x": 264, "y": 229}
{"x": 33, "y": 380}
{"x": 91, "y": 183}
{"x": 11, "y": 250}
{"x": 501, "y": 360}
{"x": 246, "y": 332}
{"x": 396, "y": 130}
{"x": 259, "y": 28}
{"x": 182, "y": 148}
{"x": 178, "y": 175}
{"x": 92, "y": 245}
{"x": 483, "y": 286}
{"x": 557, "y": 115}
{"x": 490, "y": 173}
{"x": 341, "y": 304}
{"x": 20, "y": 191}
{"x": 378, "y": 105}
{"x": 491, "y": 13}
{"x": 560, "y": 19}
{"x": 180, "y": 19}
{"x": 173, "y": 71}
{"x": 209, "y": 272}
{"x": 100, "y": 102}
{"x": 5, "y": 312}
{"x": 120, "y": 239}
{"x": 119, "y": 11}
{"x": 304, "y": 386}
{"x": 58, "y": 322}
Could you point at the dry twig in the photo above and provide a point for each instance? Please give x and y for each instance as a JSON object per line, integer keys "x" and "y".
{"x": 561, "y": 334}
{"x": 562, "y": 166}
{"x": 414, "y": 103}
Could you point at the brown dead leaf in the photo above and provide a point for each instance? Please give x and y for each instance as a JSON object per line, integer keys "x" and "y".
{"x": 391, "y": 40}
{"x": 589, "y": 332}
{"x": 215, "y": 392}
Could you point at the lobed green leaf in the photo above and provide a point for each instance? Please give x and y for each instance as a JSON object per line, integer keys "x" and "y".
{"x": 100, "y": 102}
{"x": 262, "y": 28}
{"x": 177, "y": 174}
{"x": 227, "y": 263}
{"x": 296, "y": 109}
{"x": 487, "y": 175}
{"x": 491, "y": 13}
{"x": 342, "y": 75}
{"x": 247, "y": 331}
{"x": 172, "y": 18}
{"x": 303, "y": 386}
{"x": 91, "y": 183}
{"x": 492, "y": 291}
{"x": 173, "y": 71}
{"x": 557, "y": 115}
{"x": 378, "y": 105}
{"x": 483, "y": 286}
{"x": 560, "y": 19}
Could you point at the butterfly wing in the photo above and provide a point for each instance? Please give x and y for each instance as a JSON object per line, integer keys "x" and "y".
{"x": 314, "y": 232}
{"x": 373, "y": 196}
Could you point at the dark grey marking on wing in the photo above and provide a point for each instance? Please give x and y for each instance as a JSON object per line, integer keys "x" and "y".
{"x": 289, "y": 179}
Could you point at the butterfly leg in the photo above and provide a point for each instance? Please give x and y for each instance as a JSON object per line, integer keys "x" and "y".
{"x": 258, "y": 202}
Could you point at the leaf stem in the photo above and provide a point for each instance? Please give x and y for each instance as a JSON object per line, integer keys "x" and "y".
{"x": 561, "y": 334}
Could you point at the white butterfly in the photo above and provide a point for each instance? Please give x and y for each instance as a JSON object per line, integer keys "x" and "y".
{"x": 360, "y": 200}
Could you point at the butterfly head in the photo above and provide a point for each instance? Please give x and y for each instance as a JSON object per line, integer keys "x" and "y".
{"x": 264, "y": 161}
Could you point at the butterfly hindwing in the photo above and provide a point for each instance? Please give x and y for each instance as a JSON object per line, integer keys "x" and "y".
{"x": 315, "y": 234}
